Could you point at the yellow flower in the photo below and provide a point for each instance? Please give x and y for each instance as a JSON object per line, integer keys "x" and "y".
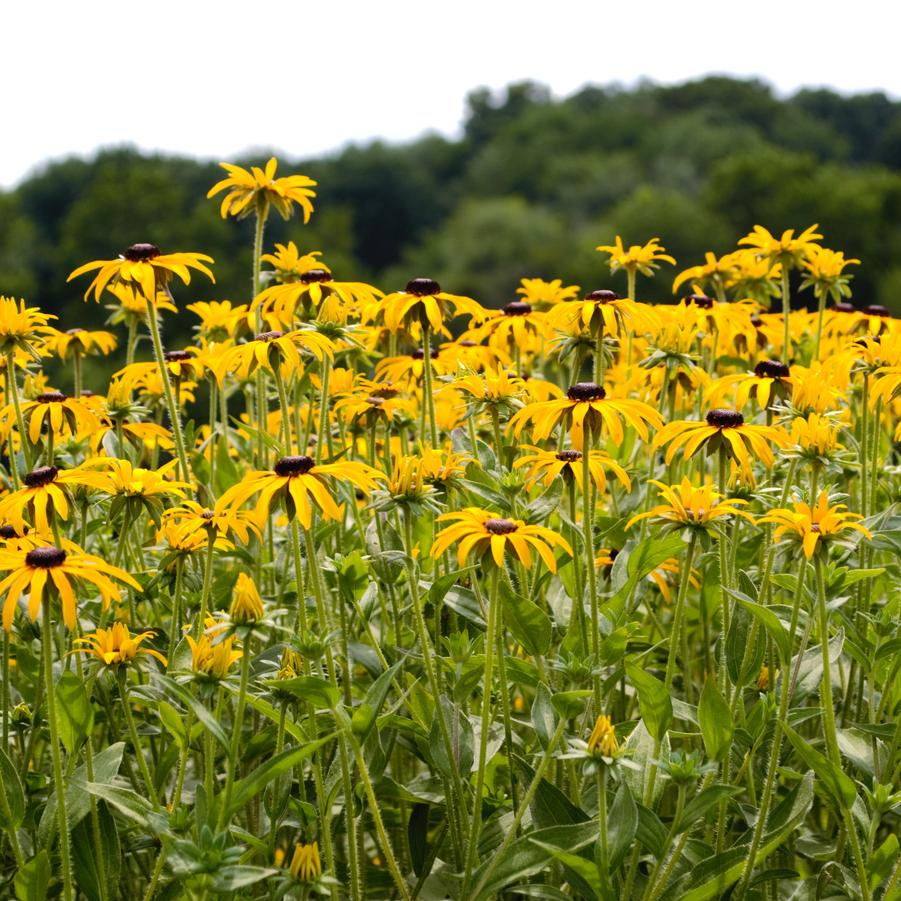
{"x": 606, "y": 311}
{"x": 602, "y": 741}
{"x": 128, "y": 481}
{"x": 21, "y": 326}
{"x": 322, "y": 298}
{"x": 716, "y": 272}
{"x": 424, "y": 302}
{"x": 637, "y": 258}
{"x": 31, "y": 571}
{"x": 810, "y": 525}
{"x": 219, "y": 318}
{"x": 305, "y": 864}
{"x": 290, "y": 264}
{"x": 409, "y": 369}
{"x": 79, "y": 341}
{"x": 247, "y": 605}
{"x": 144, "y": 268}
{"x": 770, "y": 380}
{"x": 824, "y": 272}
{"x": 763, "y": 678}
{"x": 545, "y": 466}
{"x": 788, "y": 250}
{"x": 133, "y": 305}
{"x": 515, "y": 325}
{"x": 587, "y": 406}
{"x": 493, "y": 387}
{"x": 722, "y": 429}
{"x": 254, "y": 190}
{"x": 63, "y": 415}
{"x": 269, "y": 350}
{"x": 302, "y": 484}
{"x": 116, "y": 645}
{"x": 223, "y": 520}
{"x": 212, "y": 655}
{"x": 542, "y": 294}
{"x": 689, "y": 505}
{"x": 479, "y": 531}
{"x": 816, "y": 435}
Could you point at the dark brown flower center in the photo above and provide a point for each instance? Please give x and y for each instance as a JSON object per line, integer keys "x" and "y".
{"x": 45, "y": 557}
{"x": 43, "y": 475}
{"x": 467, "y": 343}
{"x": 815, "y": 527}
{"x": 51, "y": 397}
{"x": 423, "y": 287}
{"x": 517, "y": 308}
{"x": 569, "y": 456}
{"x": 700, "y": 300}
{"x": 315, "y": 275}
{"x": 207, "y": 514}
{"x": 757, "y": 322}
{"x": 177, "y": 356}
{"x": 501, "y": 526}
{"x": 771, "y": 369}
{"x": 602, "y": 295}
{"x": 374, "y": 401}
{"x": 724, "y": 418}
{"x": 877, "y": 309}
{"x": 269, "y": 336}
{"x": 293, "y": 466}
{"x": 419, "y": 354}
{"x": 845, "y": 307}
{"x": 7, "y": 531}
{"x": 74, "y": 331}
{"x": 583, "y": 391}
{"x": 140, "y": 252}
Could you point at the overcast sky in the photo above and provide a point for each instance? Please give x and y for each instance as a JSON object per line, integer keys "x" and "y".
{"x": 214, "y": 79}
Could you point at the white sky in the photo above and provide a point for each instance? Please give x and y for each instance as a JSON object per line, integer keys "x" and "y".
{"x": 214, "y": 79}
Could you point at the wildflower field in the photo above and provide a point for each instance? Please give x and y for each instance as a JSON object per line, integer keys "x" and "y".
{"x": 390, "y": 595}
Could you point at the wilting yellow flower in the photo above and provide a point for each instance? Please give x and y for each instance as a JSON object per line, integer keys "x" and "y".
{"x": 31, "y": 571}
{"x": 764, "y": 681}
{"x": 424, "y": 302}
{"x": 254, "y": 190}
{"x": 116, "y": 645}
{"x": 212, "y": 655}
{"x": 479, "y": 531}
{"x": 305, "y": 864}
{"x": 79, "y": 341}
{"x": 587, "y": 406}
{"x": 302, "y": 484}
{"x": 722, "y": 429}
{"x": 643, "y": 258}
{"x": 602, "y": 741}
{"x": 21, "y": 326}
{"x": 545, "y": 466}
{"x": 247, "y": 605}
{"x": 810, "y": 525}
{"x": 144, "y": 268}
{"x": 689, "y": 505}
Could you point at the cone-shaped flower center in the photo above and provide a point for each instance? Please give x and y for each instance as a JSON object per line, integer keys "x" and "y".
{"x": 569, "y": 456}
{"x": 74, "y": 331}
{"x": 586, "y": 391}
{"x": 269, "y": 336}
{"x": 207, "y": 514}
{"x": 43, "y": 475}
{"x": 419, "y": 354}
{"x": 724, "y": 418}
{"x": 700, "y": 300}
{"x": 293, "y": 466}
{"x": 877, "y": 309}
{"x": 423, "y": 287}
{"x": 517, "y": 308}
{"x": 7, "y": 531}
{"x": 51, "y": 397}
{"x": 45, "y": 557}
{"x": 374, "y": 401}
{"x": 176, "y": 356}
{"x": 139, "y": 253}
{"x": 501, "y": 526}
{"x": 845, "y": 307}
{"x": 602, "y": 295}
{"x": 315, "y": 275}
{"x": 771, "y": 369}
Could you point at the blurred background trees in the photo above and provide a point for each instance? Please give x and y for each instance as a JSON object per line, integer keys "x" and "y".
{"x": 530, "y": 188}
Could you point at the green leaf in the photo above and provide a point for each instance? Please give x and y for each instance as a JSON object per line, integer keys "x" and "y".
{"x": 702, "y": 802}
{"x": 543, "y": 717}
{"x": 882, "y": 860}
{"x": 12, "y": 807}
{"x": 201, "y": 713}
{"x": 622, "y": 820}
{"x": 247, "y": 788}
{"x": 710, "y": 878}
{"x": 462, "y": 740}
{"x": 773, "y": 625}
{"x": 75, "y": 713}
{"x": 653, "y": 700}
{"x": 840, "y": 786}
{"x": 550, "y": 806}
{"x": 715, "y": 720}
{"x": 527, "y": 622}
{"x": 126, "y": 800}
{"x": 743, "y": 659}
{"x": 651, "y": 832}
{"x": 587, "y": 869}
{"x": 231, "y": 878}
{"x": 570, "y": 704}
{"x": 33, "y": 879}
{"x": 642, "y": 559}
{"x": 309, "y": 689}
{"x": 173, "y": 722}
{"x": 91, "y": 874}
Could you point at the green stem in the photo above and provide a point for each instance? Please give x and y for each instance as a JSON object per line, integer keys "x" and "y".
{"x": 13, "y": 387}
{"x": 427, "y": 384}
{"x": 237, "y": 726}
{"x": 786, "y": 314}
{"x": 679, "y": 615}
{"x": 588, "y": 531}
{"x": 76, "y": 371}
{"x": 207, "y": 587}
{"x": 122, "y": 674}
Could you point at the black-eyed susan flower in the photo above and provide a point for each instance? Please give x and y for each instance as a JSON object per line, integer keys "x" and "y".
{"x": 687, "y": 505}
{"x": 423, "y": 302}
{"x": 221, "y": 520}
{"x": 814, "y": 437}
{"x": 289, "y": 264}
{"x": 480, "y": 531}
{"x": 131, "y": 307}
{"x": 770, "y": 381}
{"x": 257, "y": 189}
{"x": 22, "y": 327}
{"x": 408, "y": 488}
{"x": 302, "y": 485}
{"x": 220, "y": 320}
{"x": 135, "y": 489}
{"x": 602, "y": 741}
{"x": 33, "y": 570}
{"x": 317, "y": 295}
{"x": 824, "y": 272}
{"x": 213, "y": 654}
{"x": 587, "y": 407}
{"x": 409, "y": 369}
{"x": 493, "y": 388}
{"x": 754, "y": 277}
{"x": 116, "y": 645}
{"x": 44, "y": 490}
{"x": 247, "y": 605}
{"x": 61, "y": 414}
{"x": 722, "y": 429}
{"x": 715, "y": 272}
{"x": 304, "y": 865}
{"x": 643, "y": 258}
{"x": 815, "y": 526}
{"x": 603, "y": 311}
{"x": 270, "y": 351}
{"x": 542, "y": 294}
{"x": 546, "y": 466}
{"x": 788, "y": 249}
{"x": 79, "y": 341}
{"x": 144, "y": 268}
{"x": 515, "y": 325}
